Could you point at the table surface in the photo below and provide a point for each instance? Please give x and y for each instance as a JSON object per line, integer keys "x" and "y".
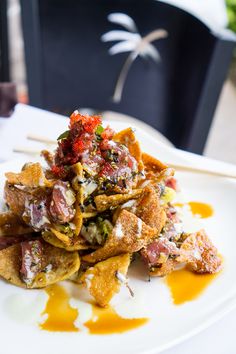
{"x": 217, "y": 339}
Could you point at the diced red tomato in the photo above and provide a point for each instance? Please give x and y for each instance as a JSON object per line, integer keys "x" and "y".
{"x": 89, "y": 123}
{"x": 106, "y": 170}
{"x": 107, "y": 133}
{"x": 171, "y": 183}
{"x": 78, "y": 146}
{"x": 102, "y": 155}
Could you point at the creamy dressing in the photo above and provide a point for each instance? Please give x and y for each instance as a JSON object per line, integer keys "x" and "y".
{"x": 69, "y": 197}
{"x": 118, "y": 231}
{"x": 20, "y": 187}
{"x": 28, "y": 264}
{"x": 88, "y": 279}
{"x": 128, "y": 204}
{"x": 44, "y": 220}
{"x": 89, "y": 188}
{"x": 139, "y": 227}
{"x": 145, "y": 184}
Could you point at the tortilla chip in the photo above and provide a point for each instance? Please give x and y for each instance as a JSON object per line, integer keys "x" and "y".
{"x": 78, "y": 218}
{"x": 128, "y": 138}
{"x": 62, "y": 263}
{"x": 104, "y": 202}
{"x": 9, "y": 218}
{"x": 89, "y": 215}
{"x": 56, "y": 242}
{"x": 152, "y": 164}
{"x": 62, "y": 237}
{"x": 15, "y": 199}
{"x": 149, "y": 210}
{"x": 31, "y": 176}
{"x": 101, "y": 280}
{"x": 129, "y": 235}
{"x": 199, "y": 253}
{"x": 78, "y": 170}
{"x": 163, "y": 269}
{"x": 11, "y": 224}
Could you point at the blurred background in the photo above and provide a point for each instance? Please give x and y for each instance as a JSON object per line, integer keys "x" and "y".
{"x": 112, "y": 56}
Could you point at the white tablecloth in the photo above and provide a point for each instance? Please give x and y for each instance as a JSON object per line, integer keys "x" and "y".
{"x": 219, "y": 338}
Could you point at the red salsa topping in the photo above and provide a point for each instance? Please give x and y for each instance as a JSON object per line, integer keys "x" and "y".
{"x": 89, "y": 143}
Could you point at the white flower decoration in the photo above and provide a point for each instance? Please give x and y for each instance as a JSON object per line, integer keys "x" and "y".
{"x": 132, "y": 42}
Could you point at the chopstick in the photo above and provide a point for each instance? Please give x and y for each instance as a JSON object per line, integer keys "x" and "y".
{"x": 26, "y": 150}
{"x": 177, "y": 167}
{"x": 40, "y": 139}
{"x": 186, "y": 168}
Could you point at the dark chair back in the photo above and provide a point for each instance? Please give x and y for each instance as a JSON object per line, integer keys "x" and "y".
{"x": 4, "y": 52}
{"x": 68, "y": 66}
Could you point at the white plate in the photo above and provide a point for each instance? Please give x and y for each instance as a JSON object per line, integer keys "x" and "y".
{"x": 169, "y": 324}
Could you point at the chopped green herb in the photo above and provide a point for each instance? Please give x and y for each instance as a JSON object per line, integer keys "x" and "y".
{"x": 99, "y": 130}
{"x": 104, "y": 226}
{"x": 63, "y": 135}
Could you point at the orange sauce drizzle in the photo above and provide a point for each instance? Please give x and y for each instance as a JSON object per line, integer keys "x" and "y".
{"x": 186, "y": 286}
{"x": 107, "y": 321}
{"x": 61, "y": 315}
{"x": 179, "y": 205}
{"x": 202, "y": 209}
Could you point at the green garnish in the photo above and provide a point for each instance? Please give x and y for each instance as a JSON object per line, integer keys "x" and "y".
{"x": 104, "y": 226}
{"x": 99, "y": 130}
{"x": 63, "y": 135}
{"x": 65, "y": 229}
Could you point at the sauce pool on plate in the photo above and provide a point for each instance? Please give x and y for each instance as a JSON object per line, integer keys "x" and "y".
{"x": 61, "y": 316}
{"x": 107, "y": 321}
{"x": 186, "y": 286}
{"x": 203, "y": 210}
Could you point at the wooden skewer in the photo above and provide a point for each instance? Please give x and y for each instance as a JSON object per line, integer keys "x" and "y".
{"x": 193, "y": 169}
{"x": 40, "y": 139}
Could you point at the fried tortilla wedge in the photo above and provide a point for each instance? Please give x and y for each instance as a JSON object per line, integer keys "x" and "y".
{"x": 76, "y": 184}
{"x": 152, "y": 164}
{"x": 155, "y": 170}
{"x": 104, "y": 202}
{"x": 9, "y": 218}
{"x": 11, "y": 224}
{"x": 163, "y": 269}
{"x": 65, "y": 239}
{"x": 199, "y": 253}
{"x": 148, "y": 209}
{"x": 79, "y": 244}
{"x": 128, "y": 138}
{"x": 129, "y": 235}
{"x": 31, "y": 176}
{"x": 78, "y": 218}
{"x": 61, "y": 265}
{"x": 15, "y": 198}
{"x": 102, "y": 281}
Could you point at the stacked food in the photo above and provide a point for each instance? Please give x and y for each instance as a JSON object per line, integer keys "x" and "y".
{"x": 100, "y": 202}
